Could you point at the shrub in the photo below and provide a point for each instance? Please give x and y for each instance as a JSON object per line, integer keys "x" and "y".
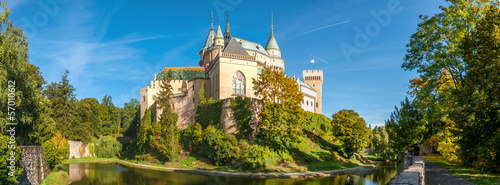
{"x": 147, "y": 158}
{"x": 218, "y": 146}
{"x": 4, "y": 155}
{"x": 448, "y": 146}
{"x": 209, "y": 113}
{"x": 316, "y": 123}
{"x": 56, "y": 150}
{"x": 191, "y": 137}
{"x": 255, "y": 156}
{"x": 108, "y": 147}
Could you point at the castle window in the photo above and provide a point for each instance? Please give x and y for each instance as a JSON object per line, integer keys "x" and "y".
{"x": 316, "y": 104}
{"x": 238, "y": 83}
{"x": 307, "y": 102}
{"x": 314, "y": 85}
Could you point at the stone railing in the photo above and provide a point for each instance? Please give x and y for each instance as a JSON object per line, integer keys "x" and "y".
{"x": 33, "y": 163}
{"x": 414, "y": 173}
{"x": 238, "y": 56}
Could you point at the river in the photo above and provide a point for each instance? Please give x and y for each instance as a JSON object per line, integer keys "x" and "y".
{"x": 117, "y": 174}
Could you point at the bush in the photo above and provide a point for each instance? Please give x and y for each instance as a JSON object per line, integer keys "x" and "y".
{"x": 4, "y": 155}
{"x": 317, "y": 123}
{"x": 108, "y": 147}
{"x": 147, "y": 158}
{"x": 56, "y": 150}
{"x": 448, "y": 146}
{"x": 218, "y": 146}
{"x": 255, "y": 156}
{"x": 191, "y": 137}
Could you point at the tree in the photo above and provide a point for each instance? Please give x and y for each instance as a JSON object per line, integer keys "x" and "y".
{"x": 351, "y": 131}
{"x": 166, "y": 130}
{"x": 63, "y": 103}
{"x": 108, "y": 115}
{"x": 405, "y": 127}
{"x": 462, "y": 43}
{"x": 380, "y": 142}
{"x": 15, "y": 69}
{"x": 478, "y": 116}
{"x": 5, "y": 172}
{"x": 56, "y": 150}
{"x": 88, "y": 111}
{"x": 131, "y": 117}
{"x": 281, "y": 113}
{"x": 145, "y": 134}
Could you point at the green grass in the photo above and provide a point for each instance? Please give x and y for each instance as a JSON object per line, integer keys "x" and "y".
{"x": 91, "y": 160}
{"x": 57, "y": 178}
{"x": 370, "y": 156}
{"x": 472, "y": 175}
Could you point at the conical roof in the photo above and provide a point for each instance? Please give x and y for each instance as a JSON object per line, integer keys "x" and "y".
{"x": 219, "y": 33}
{"x": 271, "y": 43}
{"x": 210, "y": 38}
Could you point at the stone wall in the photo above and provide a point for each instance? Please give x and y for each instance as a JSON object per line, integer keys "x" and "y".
{"x": 78, "y": 149}
{"x": 34, "y": 166}
{"x": 414, "y": 173}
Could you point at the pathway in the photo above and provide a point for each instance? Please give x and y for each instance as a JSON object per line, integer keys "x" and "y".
{"x": 435, "y": 175}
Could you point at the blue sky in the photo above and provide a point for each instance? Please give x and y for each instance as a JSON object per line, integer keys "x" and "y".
{"x": 114, "y": 47}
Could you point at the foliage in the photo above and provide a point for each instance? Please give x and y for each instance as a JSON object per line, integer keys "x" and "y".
{"x": 448, "y": 146}
{"x": 33, "y": 125}
{"x": 108, "y": 147}
{"x": 208, "y": 113}
{"x": 381, "y": 147}
{"x": 316, "y": 123}
{"x": 56, "y": 150}
{"x": 218, "y": 146}
{"x": 456, "y": 54}
{"x": 145, "y": 135}
{"x": 256, "y": 156}
{"x": 281, "y": 113}
{"x": 202, "y": 99}
{"x": 5, "y": 151}
{"x": 405, "y": 127}
{"x": 242, "y": 114}
{"x": 166, "y": 141}
{"x": 351, "y": 130}
{"x": 88, "y": 111}
{"x": 108, "y": 114}
{"x": 147, "y": 158}
{"x": 191, "y": 137}
{"x": 131, "y": 117}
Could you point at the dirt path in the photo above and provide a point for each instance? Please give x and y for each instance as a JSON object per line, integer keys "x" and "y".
{"x": 435, "y": 175}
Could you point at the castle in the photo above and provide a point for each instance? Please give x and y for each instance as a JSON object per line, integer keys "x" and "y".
{"x": 227, "y": 66}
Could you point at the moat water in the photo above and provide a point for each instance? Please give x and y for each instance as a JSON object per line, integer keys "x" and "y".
{"x": 117, "y": 174}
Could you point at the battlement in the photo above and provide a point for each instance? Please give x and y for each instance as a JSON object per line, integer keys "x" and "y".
{"x": 312, "y": 74}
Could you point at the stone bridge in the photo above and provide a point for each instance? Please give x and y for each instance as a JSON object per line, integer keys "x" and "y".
{"x": 34, "y": 167}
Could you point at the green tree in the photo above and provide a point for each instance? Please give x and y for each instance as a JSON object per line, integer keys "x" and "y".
{"x": 5, "y": 177}
{"x": 351, "y": 131}
{"x": 405, "y": 127}
{"x": 56, "y": 150}
{"x": 145, "y": 134}
{"x": 131, "y": 117}
{"x": 166, "y": 129}
{"x": 380, "y": 142}
{"x": 108, "y": 147}
{"x": 281, "y": 113}
{"x": 32, "y": 125}
{"x": 88, "y": 111}
{"x": 63, "y": 103}
{"x": 478, "y": 115}
{"x": 108, "y": 115}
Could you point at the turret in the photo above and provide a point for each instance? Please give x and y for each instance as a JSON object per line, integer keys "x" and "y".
{"x": 209, "y": 43}
{"x": 274, "y": 51}
{"x": 315, "y": 79}
{"x": 219, "y": 38}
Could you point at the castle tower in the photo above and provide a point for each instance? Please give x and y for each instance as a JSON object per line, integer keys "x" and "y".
{"x": 219, "y": 38}
{"x": 276, "y": 62}
{"x": 210, "y": 40}
{"x": 315, "y": 79}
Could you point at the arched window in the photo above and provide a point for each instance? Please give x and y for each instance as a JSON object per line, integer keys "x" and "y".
{"x": 238, "y": 83}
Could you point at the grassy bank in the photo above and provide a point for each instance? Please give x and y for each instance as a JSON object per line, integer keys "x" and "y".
{"x": 91, "y": 160}
{"x": 472, "y": 175}
{"x": 57, "y": 178}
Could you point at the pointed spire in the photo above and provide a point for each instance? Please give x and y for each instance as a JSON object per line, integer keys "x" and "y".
{"x": 228, "y": 31}
{"x": 271, "y": 43}
{"x": 211, "y": 34}
{"x": 219, "y": 31}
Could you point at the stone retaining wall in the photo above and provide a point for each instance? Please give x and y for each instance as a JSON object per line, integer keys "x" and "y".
{"x": 33, "y": 163}
{"x": 414, "y": 173}
{"x": 78, "y": 149}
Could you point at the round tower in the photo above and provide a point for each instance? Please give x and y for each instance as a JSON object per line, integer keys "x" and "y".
{"x": 315, "y": 79}
{"x": 276, "y": 62}
{"x": 219, "y": 38}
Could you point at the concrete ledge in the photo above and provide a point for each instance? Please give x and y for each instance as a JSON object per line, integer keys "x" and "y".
{"x": 414, "y": 174}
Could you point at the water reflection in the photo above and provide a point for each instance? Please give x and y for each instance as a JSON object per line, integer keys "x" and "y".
{"x": 112, "y": 173}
